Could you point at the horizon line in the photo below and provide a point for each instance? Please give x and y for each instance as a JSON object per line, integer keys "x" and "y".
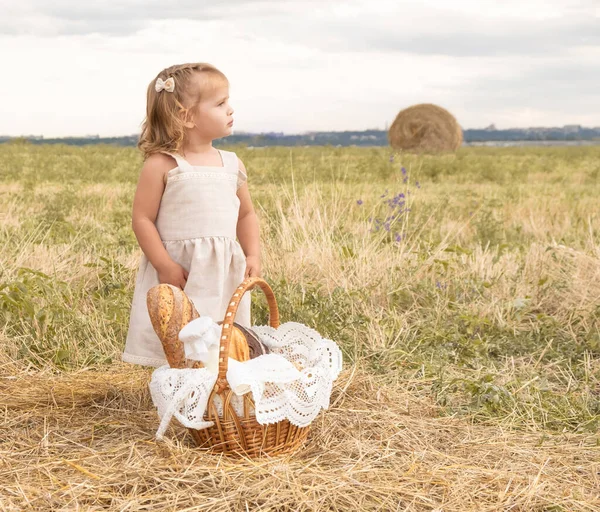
{"x": 490, "y": 128}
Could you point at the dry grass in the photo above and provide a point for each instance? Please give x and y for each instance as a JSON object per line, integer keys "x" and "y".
{"x": 472, "y": 376}
{"x": 84, "y": 440}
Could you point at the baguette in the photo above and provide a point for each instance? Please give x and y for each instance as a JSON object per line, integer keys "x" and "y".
{"x": 170, "y": 309}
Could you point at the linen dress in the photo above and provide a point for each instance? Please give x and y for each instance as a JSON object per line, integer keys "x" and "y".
{"x": 197, "y": 222}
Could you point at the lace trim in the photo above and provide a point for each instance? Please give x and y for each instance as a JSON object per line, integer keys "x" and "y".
{"x": 228, "y": 238}
{"x": 294, "y": 382}
{"x": 146, "y": 361}
{"x": 193, "y": 175}
{"x": 183, "y": 394}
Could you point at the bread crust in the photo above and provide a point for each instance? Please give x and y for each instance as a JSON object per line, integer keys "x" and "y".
{"x": 170, "y": 309}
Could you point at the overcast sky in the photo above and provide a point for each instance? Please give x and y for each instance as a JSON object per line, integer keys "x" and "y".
{"x": 70, "y": 68}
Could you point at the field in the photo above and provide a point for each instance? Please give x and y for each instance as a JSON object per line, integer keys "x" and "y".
{"x": 463, "y": 290}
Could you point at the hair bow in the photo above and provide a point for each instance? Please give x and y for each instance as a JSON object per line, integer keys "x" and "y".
{"x": 168, "y": 84}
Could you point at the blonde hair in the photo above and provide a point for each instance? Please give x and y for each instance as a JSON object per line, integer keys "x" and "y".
{"x": 166, "y": 112}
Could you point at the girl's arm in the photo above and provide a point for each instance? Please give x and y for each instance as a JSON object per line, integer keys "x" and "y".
{"x": 145, "y": 209}
{"x": 247, "y": 230}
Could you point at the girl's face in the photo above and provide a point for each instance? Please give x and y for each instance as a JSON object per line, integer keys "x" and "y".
{"x": 212, "y": 118}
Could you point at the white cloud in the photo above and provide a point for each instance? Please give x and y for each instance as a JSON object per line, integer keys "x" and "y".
{"x": 126, "y": 17}
{"x": 303, "y": 65}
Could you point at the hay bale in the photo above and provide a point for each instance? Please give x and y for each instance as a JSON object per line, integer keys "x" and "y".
{"x": 425, "y": 128}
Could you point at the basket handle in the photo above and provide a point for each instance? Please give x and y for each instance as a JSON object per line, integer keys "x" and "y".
{"x": 248, "y": 284}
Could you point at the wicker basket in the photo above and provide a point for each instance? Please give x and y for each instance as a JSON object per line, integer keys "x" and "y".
{"x": 243, "y": 435}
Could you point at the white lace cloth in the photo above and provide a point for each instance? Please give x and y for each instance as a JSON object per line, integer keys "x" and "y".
{"x": 200, "y": 339}
{"x": 293, "y": 382}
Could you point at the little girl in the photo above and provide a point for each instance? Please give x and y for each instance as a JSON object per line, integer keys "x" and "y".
{"x": 191, "y": 201}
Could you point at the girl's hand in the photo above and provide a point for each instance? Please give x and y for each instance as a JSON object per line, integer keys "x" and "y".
{"x": 173, "y": 273}
{"x": 253, "y": 267}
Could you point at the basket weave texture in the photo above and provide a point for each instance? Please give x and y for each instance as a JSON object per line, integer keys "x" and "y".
{"x": 233, "y": 434}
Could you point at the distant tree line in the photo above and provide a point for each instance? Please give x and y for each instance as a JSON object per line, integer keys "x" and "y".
{"x": 349, "y": 138}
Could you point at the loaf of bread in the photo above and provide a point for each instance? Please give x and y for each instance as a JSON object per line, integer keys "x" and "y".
{"x": 255, "y": 346}
{"x": 170, "y": 310}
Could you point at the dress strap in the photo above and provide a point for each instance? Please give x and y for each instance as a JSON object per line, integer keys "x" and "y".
{"x": 230, "y": 160}
{"x": 182, "y": 163}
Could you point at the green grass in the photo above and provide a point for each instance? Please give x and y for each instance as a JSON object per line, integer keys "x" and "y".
{"x": 489, "y": 300}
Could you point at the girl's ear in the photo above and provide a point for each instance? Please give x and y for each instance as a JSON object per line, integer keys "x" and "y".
{"x": 187, "y": 119}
